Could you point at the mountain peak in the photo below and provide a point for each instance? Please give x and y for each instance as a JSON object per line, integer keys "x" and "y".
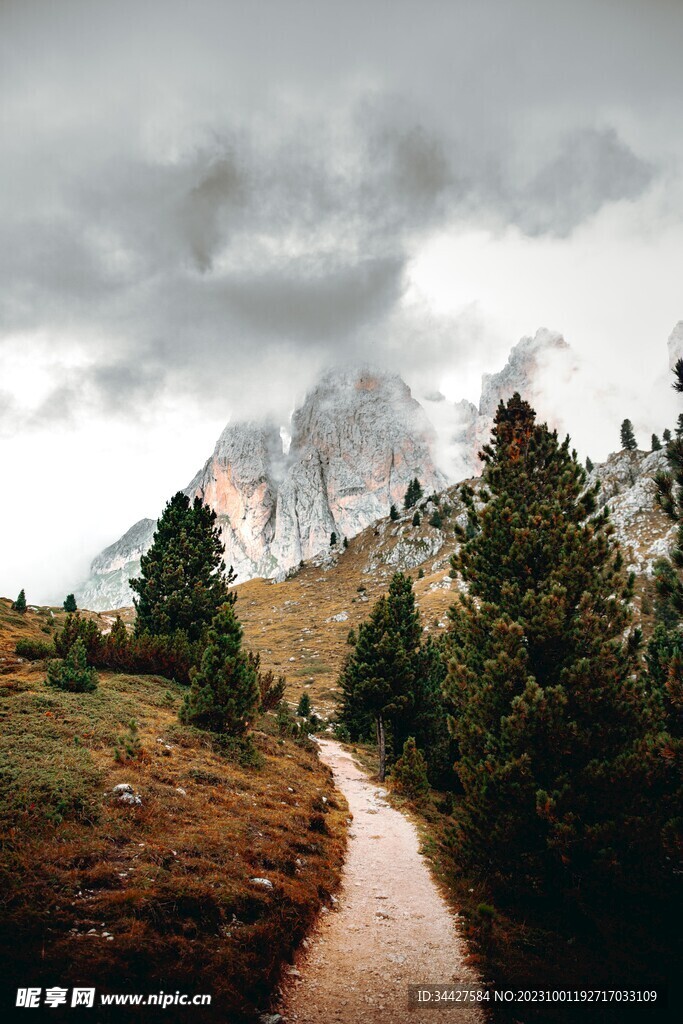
{"x": 357, "y": 440}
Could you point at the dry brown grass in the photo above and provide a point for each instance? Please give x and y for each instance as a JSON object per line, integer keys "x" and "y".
{"x": 170, "y": 879}
{"x": 292, "y": 623}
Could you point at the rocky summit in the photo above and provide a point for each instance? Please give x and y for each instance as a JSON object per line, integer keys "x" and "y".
{"x": 529, "y": 364}
{"x": 357, "y": 441}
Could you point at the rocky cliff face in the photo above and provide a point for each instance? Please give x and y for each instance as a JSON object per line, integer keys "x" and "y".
{"x": 627, "y": 486}
{"x": 239, "y": 482}
{"x": 107, "y": 586}
{"x": 357, "y": 441}
{"x": 529, "y": 363}
{"x": 676, "y": 344}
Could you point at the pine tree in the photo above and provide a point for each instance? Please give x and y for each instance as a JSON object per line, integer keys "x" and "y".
{"x": 416, "y": 519}
{"x": 70, "y": 603}
{"x": 304, "y": 708}
{"x": 670, "y": 499}
{"x": 546, "y": 711}
{"x": 628, "y": 438}
{"x": 666, "y": 435}
{"x": 435, "y": 519}
{"x": 656, "y": 444}
{"x": 333, "y": 539}
{"x": 413, "y": 493}
{"x": 409, "y": 774}
{"x": 589, "y": 464}
{"x": 393, "y": 513}
{"x": 20, "y": 604}
{"x": 378, "y": 677}
{"x": 224, "y": 691}
{"x": 664, "y": 755}
{"x": 427, "y": 719}
{"x": 73, "y": 673}
{"x": 182, "y": 580}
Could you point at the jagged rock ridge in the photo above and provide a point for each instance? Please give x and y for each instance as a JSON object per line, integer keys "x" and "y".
{"x": 357, "y": 441}
{"x": 525, "y": 371}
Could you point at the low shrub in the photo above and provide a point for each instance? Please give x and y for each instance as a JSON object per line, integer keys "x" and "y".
{"x": 73, "y": 673}
{"x": 170, "y": 656}
{"x": 35, "y": 650}
{"x": 128, "y": 747}
{"x": 409, "y": 774}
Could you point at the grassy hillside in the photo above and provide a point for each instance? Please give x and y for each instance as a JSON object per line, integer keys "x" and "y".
{"x": 300, "y": 626}
{"x": 138, "y": 898}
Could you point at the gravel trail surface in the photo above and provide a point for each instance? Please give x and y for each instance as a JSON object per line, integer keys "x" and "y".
{"x": 390, "y": 928}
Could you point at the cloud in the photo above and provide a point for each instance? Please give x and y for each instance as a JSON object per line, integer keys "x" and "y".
{"x": 178, "y": 270}
{"x": 592, "y": 168}
{"x": 187, "y": 199}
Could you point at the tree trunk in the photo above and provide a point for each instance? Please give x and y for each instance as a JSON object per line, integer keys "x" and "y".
{"x": 381, "y": 746}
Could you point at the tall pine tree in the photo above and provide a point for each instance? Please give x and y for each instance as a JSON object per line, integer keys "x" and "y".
{"x": 628, "y": 438}
{"x": 224, "y": 691}
{"x": 377, "y": 681}
{"x": 182, "y": 581}
{"x": 541, "y": 680}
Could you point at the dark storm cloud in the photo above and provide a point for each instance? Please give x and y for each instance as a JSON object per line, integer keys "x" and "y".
{"x": 188, "y": 194}
{"x": 314, "y": 304}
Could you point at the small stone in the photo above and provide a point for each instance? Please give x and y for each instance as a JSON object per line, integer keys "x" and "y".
{"x": 130, "y": 798}
{"x": 179, "y": 789}
{"x": 263, "y": 883}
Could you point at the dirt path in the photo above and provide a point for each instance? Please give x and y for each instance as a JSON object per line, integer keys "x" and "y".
{"x": 391, "y": 927}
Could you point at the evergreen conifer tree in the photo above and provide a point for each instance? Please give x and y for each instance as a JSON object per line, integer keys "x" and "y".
{"x": 435, "y": 519}
{"x": 333, "y": 539}
{"x": 628, "y": 438}
{"x": 541, "y": 682}
{"x": 589, "y": 464}
{"x": 73, "y": 673}
{"x": 663, "y": 756}
{"x": 409, "y": 774}
{"x": 666, "y": 435}
{"x": 393, "y": 513}
{"x": 224, "y": 691}
{"x": 70, "y": 603}
{"x": 304, "y": 708}
{"x": 656, "y": 444}
{"x": 413, "y": 493}
{"x": 182, "y": 580}
{"x": 20, "y": 604}
{"x": 416, "y": 519}
{"x": 378, "y": 677}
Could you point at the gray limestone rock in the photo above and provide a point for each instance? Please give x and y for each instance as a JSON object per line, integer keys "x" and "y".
{"x": 356, "y": 442}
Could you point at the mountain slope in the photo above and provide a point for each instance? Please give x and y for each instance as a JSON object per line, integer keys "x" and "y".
{"x": 300, "y": 625}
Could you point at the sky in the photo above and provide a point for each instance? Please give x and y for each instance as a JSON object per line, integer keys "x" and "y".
{"x": 203, "y": 205}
